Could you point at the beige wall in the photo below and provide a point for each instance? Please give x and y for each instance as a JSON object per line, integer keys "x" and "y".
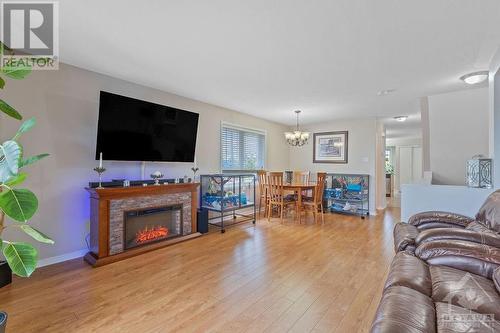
{"x": 458, "y": 123}
{"x": 65, "y": 103}
{"x": 361, "y": 154}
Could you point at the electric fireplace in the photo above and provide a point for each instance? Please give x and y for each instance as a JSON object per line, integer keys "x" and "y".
{"x": 150, "y": 225}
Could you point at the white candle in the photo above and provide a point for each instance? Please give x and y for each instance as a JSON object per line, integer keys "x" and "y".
{"x": 100, "y": 160}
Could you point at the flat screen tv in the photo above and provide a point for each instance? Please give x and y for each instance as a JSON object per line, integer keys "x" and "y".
{"x": 133, "y": 130}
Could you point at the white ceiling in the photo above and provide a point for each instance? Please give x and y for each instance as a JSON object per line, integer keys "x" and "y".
{"x": 409, "y": 129}
{"x": 270, "y": 57}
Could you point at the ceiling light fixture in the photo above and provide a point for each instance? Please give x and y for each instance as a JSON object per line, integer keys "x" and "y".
{"x": 385, "y": 92}
{"x": 475, "y": 78}
{"x": 297, "y": 137}
{"x": 401, "y": 118}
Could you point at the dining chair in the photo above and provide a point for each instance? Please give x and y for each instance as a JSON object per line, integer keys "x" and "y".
{"x": 276, "y": 195}
{"x": 263, "y": 192}
{"x": 316, "y": 202}
{"x": 301, "y": 176}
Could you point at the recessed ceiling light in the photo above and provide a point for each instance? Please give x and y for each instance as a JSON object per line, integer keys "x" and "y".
{"x": 385, "y": 92}
{"x": 475, "y": 78}
{"x": 401, "y": 118}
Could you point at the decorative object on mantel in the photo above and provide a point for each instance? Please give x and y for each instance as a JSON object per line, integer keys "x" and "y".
{"x": 480, "y": 172}
{"x": 195, "y": 170}
{"x": 330, "y": 147}
{"x": 156, "y": 176}
{"x": 100, "y": 170}
{"x": 297, "y": 138}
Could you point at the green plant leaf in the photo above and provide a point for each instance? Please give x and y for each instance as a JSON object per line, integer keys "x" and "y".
{"x": 16, "y": 72}
{"x": 18, "y": 204}
{"x": 4, "y": 47}
{"x": 21, "y": 257}
{"x": 10, "y": 157}
{"x": 9, "y": 110}
{"x": 36, "y": 234}
{"x": 26, "y": 126}
{"x": 2, "y": 83}
{"x": 17, "y": 179}
{"x": 31, "y": 160}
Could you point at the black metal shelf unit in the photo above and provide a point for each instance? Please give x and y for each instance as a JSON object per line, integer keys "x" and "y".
{"x": 347, "y": 194}
{"x": 225, "y": 195}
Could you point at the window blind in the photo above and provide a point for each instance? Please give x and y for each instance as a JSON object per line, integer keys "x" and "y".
{"x": 242, "y": 149}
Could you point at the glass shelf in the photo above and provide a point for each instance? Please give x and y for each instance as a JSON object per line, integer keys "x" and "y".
{"x": 347, "y": 194}
{"x": 226, "y": 194}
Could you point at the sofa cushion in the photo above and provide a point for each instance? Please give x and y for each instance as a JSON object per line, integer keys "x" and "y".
{"x": 452, "y": 319}
{"x": 460, "y": 288}
{"x": 489, "y": 213}
{"x": 409, "y": 271}
{"x": 471, "y": 257}
{"x": 404, "y": 236}
{"x": 478, "y": 227}
{"x": 442, "y": 234}
{"x": 436, "y": 219}
{"x": 404, "y": 310}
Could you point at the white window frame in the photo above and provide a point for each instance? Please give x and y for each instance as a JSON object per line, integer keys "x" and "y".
{"x": 242, "y": 128}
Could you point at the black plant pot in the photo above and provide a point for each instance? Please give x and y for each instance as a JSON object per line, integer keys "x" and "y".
{"x": 5, "y": 275}
{"x": 3, "y": 321}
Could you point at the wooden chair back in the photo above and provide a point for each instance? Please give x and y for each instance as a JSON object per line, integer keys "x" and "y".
{"x": 301, "y": 177}
{"x": 262, "y": 177}
{"x": 320, "y": 187}
{"x": 275, "y": 186}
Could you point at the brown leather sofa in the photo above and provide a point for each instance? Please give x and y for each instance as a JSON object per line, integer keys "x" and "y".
{"x": 423, "y": 297}
{"x": 445, "y": 276}
{"x": 431, "y": 226}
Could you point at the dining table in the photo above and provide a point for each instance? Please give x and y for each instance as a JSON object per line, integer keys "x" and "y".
{"x": 299, "y": 188}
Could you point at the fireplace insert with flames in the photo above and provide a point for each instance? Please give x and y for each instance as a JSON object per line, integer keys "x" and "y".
{"x": 152, "y": 225}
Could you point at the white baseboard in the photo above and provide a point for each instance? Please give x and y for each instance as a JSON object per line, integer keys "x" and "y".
{"x": 61, "y": 258}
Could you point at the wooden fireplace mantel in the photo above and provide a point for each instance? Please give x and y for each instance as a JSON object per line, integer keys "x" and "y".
{"x": 100, "y": 200}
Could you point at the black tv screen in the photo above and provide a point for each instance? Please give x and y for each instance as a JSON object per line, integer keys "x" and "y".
{"x": 133, "y": 130}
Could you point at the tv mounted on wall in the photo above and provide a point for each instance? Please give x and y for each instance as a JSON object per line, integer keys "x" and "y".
{"x": 133, "y": 130}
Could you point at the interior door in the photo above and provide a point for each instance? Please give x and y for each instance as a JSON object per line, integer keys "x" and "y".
{"x": 405, "y": 165}
{"x": 416, "y": 164}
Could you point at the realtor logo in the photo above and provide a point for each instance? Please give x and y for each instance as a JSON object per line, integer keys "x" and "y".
{"x": 469, "y": 295}
{"x": 29, "y": 32}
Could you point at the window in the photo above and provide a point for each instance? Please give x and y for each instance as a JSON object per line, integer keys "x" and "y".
{"x": 242, "y": 148}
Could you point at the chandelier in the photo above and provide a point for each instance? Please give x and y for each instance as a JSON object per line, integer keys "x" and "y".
{"x": 297, "y": 138}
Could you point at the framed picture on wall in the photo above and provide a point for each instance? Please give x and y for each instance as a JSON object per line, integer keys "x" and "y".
{"x": 330, "y": 147}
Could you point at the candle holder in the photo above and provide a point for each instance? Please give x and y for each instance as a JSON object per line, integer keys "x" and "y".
{"x": 100, "y": 171}
{"x": 156, "y": 176}
{"x": 195, "y": 170}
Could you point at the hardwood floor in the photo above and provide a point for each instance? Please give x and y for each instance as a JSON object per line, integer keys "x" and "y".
{"x": 272, "y": 277}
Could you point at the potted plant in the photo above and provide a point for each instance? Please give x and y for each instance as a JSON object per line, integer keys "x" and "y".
{"x": 17, "y": 204}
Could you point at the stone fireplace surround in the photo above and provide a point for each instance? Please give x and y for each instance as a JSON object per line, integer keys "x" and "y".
{"x": 107, "y": 216}
{"x": 118, "y": 207}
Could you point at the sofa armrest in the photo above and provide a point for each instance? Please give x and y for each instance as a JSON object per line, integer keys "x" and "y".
{"x": 496, "y": 279}
{"x": 444, "y": 234}
{"x": 429, "y": 220}
{"x": 467, "y": 256}
{"x": 404, "y": 237}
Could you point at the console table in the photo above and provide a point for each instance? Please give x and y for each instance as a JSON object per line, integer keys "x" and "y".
{"x": 110, "y": 207}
